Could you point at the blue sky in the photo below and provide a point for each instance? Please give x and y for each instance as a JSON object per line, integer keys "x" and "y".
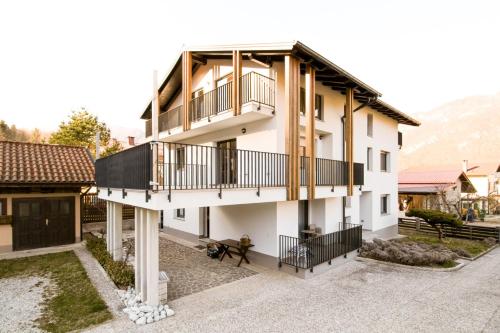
{"x": 57, "y": 56}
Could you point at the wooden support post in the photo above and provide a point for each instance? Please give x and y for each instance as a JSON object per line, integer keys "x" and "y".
{"x": 310, "y": 130}
{"x": 236, "y": 93}
{"x": 187, "y": 68}
{"x": 349, "y": 140}
{"x": 292, "y": 121}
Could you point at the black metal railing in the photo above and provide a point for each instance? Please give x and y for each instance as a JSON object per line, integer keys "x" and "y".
{"x": 130, "y": 169}
{"x": 307, "y": 253}
{"x": 166, "y": 120}
{"x": 186, "y": 167}
{"x": 330, "y": 172}
{"x": 211, "y": 103}
{"x": 257, "y": 88}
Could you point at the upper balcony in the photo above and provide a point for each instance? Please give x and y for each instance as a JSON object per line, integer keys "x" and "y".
{"x": 173, "y": 171}
{"x": 214, "y": 108}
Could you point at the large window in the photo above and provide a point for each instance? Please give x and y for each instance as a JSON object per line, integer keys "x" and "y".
{"x": 369, "y": 159}
{"x": 384, "y": 204}
{"x": 318, "y": 104}
{"x": 180, "y": 213}
{"x": 385, "y": 161}
{"x": 369, "y": 125}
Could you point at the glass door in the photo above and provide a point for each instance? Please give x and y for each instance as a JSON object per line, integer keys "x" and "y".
{"x": 227, "y": 162}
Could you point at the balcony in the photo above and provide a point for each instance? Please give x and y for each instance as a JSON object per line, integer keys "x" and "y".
{"x": 179, "y": 169}
{"x": 257, "y": 93}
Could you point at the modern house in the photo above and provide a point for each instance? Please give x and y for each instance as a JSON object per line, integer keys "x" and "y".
{"x": 433, "y": 188}
{"x": 40, "y": 188}
{"x": 263, "y": 140}
{"x": 486, "y": 179}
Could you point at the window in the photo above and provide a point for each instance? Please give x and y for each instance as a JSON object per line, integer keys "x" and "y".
{"x": 369, "y": 125}
{"x": 369, "y": 159}
{"x": 385, "y": 161}
{"x": 3, "y": 206}
{"x": 180, "y": 158}
{"x": 180, "y": 213}
{"x": 384, "y": 204}
{"x": 318, "y": 104}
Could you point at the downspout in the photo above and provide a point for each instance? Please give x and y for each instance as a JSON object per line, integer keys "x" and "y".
{"x": 344, "y": 201}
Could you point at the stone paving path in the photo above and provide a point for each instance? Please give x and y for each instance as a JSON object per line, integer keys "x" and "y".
{"x": 191, "y": 271}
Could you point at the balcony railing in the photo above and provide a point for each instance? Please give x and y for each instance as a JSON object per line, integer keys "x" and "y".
{"x": 307, "y": 253}
{"x": 211, "y": 103}
{"x": 189, "y": 167}
{"x": 166, "y": 120}
{"x": 257, "y": 88}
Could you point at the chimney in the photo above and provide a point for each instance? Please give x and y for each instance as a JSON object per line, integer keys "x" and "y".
{"x": 131, "y": 141}
{"x": 465, "y": 166}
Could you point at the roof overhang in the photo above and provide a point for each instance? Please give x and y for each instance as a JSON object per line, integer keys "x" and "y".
{"x": 327, "y": 73}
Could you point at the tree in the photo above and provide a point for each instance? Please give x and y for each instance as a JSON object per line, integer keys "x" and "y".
{"x": 36, "y": 136}
{"x": 80, "y": 130}
{"x": 436, "y": 218}
{"x": 12, "y": 133}
{"x": 113, "y": 148}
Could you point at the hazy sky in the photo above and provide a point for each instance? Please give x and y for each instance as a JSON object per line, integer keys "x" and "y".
{"x": 56, "y": 56}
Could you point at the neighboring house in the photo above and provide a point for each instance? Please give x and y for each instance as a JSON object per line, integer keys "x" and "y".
{"x": 433, "y": 188}
{"x": 263, "y": 140}
{"x": 40, "y": 188}
{"x": 486, "y": 179}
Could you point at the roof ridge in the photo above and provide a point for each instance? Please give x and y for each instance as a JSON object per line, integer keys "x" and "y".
{"x": 43, "y": 144}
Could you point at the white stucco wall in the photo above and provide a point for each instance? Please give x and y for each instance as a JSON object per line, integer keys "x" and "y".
{"x": 191, "y": 223}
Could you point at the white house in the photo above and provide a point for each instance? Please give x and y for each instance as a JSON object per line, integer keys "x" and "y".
{"x": 263, "y": 140}
{"x": 486, "y": 179}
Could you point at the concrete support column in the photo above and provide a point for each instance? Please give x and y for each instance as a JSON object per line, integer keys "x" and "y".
{"x": 108, "y": 226}
{"x": 143, "y": 259}
{"x": 138, "y": 249}
{"x": 152, "y": 239}
{"x": 117, "y": 250}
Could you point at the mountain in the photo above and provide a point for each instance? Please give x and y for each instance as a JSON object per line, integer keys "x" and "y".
{"x": 465, "y": 129}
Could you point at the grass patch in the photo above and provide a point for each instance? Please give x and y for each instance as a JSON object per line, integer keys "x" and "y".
{"x": 463, "y": 247}
{"x": 76, "y": 303}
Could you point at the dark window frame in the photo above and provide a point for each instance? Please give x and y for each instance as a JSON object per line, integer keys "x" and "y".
{"x": 318, "y": 99}
{"x": 3, "y": 206}
{"x": 384, "y": 204}
{"x": 180, "y": 158}
{"x": 180, "y": 213}
{"x": 385, "y": 161}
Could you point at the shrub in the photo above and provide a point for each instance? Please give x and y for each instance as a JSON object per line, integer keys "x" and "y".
{"x": 121, "y": 273}
{"x": 490, "y": 241}
{"x": 436, "y": 218}
{"x": 408, "y": 253}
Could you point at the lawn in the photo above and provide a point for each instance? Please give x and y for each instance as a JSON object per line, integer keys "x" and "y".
{"x": 457, "y": 245}
{"x": 75, "y": 305}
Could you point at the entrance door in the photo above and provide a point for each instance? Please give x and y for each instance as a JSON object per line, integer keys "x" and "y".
{"x": 41, "y": 222}
{"x": 206, "y": 222}
{"x": 227, "y": 160}
{"x": 197, "y": 105}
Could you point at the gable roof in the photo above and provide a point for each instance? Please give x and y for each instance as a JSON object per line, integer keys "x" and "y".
{"x": 23, "y": 163}
{"x": 431, "y": 180}
{"x": 328, "y": 73}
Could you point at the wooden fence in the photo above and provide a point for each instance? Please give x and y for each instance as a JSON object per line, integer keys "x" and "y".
{"x": 94, "y": 209}
{"x": 466, "y": 231}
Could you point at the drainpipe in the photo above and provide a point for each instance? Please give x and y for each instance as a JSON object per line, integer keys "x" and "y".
{"x": 344, "y": 201}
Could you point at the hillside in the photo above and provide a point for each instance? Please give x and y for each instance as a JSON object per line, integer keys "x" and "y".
{"x": 468, "y": 128}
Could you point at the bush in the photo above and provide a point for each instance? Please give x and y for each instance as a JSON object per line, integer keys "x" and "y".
{"x": 120, "y": 272}
{"x": 490, "y": 241}
{"x": 408, "y": 253}
{"x": 435, "y": 217}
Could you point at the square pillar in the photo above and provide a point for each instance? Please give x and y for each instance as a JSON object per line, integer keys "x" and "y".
{"x": 117, "y": 250}
{"x": 138, "y": 249}
{"x": 152, "y": 297}
{"x": 310, "y": 93}
{"x": 109, "y": 231}
{"x": 143, "y": 260}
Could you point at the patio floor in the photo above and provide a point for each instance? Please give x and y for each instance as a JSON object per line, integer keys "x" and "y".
{"x": 191, "y": 271}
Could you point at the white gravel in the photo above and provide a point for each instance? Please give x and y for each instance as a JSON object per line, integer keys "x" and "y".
{"x": 20, "y": 303}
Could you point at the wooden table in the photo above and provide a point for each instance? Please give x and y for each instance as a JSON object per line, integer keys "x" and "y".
{"x": 228, "y": 244}
{"x": 308, "y": 233}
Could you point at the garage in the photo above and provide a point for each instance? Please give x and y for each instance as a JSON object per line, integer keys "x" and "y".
{"x": 42, "y": 222}
{"x": 40, "y": 191}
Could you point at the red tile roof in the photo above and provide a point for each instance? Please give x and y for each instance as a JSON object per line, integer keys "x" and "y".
{"x": 483, "y": 169}
{"x": 420, "y": 176}
{"x": 30, "y": 163}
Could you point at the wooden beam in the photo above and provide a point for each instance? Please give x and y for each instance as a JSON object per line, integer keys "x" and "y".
{"x": 292, "y": 124}
{"x": 187, "y": 67}
{"x": 349, "y": 140}
{"x": 236, "y": 94}
{"x": 310, "y": 130}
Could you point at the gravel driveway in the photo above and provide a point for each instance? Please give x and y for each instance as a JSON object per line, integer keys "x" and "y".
{"x": 20, "y": 303}
{"x": 352, "y": 297}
